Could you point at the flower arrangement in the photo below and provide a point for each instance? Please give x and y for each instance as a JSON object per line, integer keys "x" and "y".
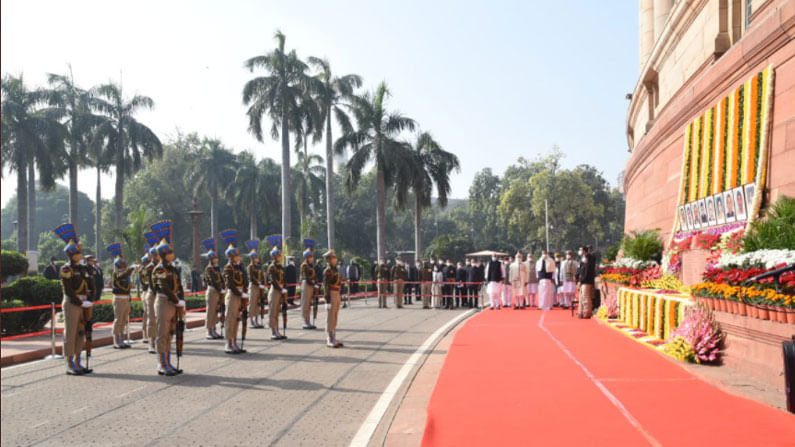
{"x": 753, "y": 295}
{"x": 632, "y": 263}
{"x": 667, "y": 282}
{"x": 680, "y": 349}
{"x": 602, "y": 313}
{"x": 766, "y": 259}
{"x": 700, "y": 330}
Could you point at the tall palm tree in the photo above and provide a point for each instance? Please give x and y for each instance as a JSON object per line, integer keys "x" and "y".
{"x": 100, "y": 157}
{"x": 332, "y": 94}
{"x": 75, "y": 104}
{"x": 129, "y": 140}
{"x": 279, "y": 95}
{"x": 211, "y": 171}
{"x": 255, "y": 188}
{"x": 434, "y": 167}
{"x": 376, "y": 139}
{"x": 32, "y": 136}
{"x": 308, "y": 175}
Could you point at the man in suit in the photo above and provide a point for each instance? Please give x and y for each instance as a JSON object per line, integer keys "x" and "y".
{"x": 585, "y": 281}
{"x": 494, "y": 279}
{"x": 291, "y": 278}
{"x": 354, "y": 276}
{"x": 412, "y": 288}
{"x": 449, "y": 279}
{"x": 473, "y": 275}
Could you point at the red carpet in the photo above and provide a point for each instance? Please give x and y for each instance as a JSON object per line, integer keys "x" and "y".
{"x": 506, "y": 381}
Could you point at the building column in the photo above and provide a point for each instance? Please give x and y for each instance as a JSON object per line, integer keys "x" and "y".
{"x": 646, "y": 28}
{"x": 662, "y": 9}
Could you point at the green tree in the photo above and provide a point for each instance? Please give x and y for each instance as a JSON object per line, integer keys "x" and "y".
{"x": 255, "y": 189}
{"x": 75, "y": 105}
{"x": 333, "y": 95}
{"x": 484, "y": 197}
{"x": 128, "y": 140}
{"x": 434, "y": 166}
{"x": 31, "y": 136}
{"x": 448, "y": 246}
{"x": 212, "y": 170}
{"x": 308, "y": 175}
{"x": 376, "y": 139}
{"x": 278, "y": 94}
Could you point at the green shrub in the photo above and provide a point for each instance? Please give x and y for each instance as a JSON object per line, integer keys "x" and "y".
{"x": 104, "y": 312}
{"x": 12, "y": 263}
{"x": 24, "y": 292}
{"x": 776, "y": 230}
{"x": 643, "y": 245}
{"x": 612, "y": 252}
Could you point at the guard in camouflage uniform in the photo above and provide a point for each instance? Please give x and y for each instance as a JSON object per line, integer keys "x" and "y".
{"x": 236, "y": 296}
{"x": 382, "y": 279}
{"x": 169, "y": 296}
{"x": 121, "y": 295}
{"x": 278, "y": 292}
{"x": 256, "y": 285}
{"x": 215, "y": 289}
{"x": 332, "y": 282}
{"x": 399, "y": 275}
{"x": 76, "y": 290}
{"x": 309, "y": 285}
{"x": 149, "y": 300}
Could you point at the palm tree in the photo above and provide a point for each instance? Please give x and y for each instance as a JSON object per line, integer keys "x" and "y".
{"x": 128, "y": 139}
{"x": 375, "y": 139}
{"x": 279, "y": 95}
{"x": 31, "y": 137}
{"x": 99, "y": 156}
{"x": 75, "y": 104}
{"x": 255, "y": 188}
{"x": 332, "y": 94}
{"x": 211, "y": 171}
{"x": 434, "y": 167}
{"x": 308, "y": 175}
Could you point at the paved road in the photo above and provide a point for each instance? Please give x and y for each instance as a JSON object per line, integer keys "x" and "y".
{"x": 296, "y": 392}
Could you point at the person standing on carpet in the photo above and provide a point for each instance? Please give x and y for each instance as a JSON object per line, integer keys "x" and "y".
{"x": 585, "y": 279}
{"x": 532, "y": 282}
{"x": 494, "y": 280}
{"x": 518, "y": 274}
{"x": 506, "y": 281}
{"x": 569, "y": 277}
{"x": 438, "y": 278}
{"x": 546, "y": 273}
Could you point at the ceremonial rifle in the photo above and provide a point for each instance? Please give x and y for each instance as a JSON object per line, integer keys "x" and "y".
{"x": 284, "y": 315}
{"x": 221, "y": 312}
{"x": 244, "y": 327}
{"x": 180, "y": 316}
{"x": 315, "y": 304}
{"x": 89, "y": 329}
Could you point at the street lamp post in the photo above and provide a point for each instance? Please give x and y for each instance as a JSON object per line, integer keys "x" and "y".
{"x": 196, "y": 218}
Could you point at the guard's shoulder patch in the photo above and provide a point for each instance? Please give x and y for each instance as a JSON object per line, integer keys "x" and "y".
{"x": 66, "y": 272}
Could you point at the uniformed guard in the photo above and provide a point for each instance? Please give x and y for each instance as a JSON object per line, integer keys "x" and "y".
{"x": 121, "y": 295}
{"x": 332, "y": 282}
{"x": 169, "y": 297}
{"x": 76, "y": 290}
{"x": 149, "y": 299}
{"x": 382, "y": 279}
{"x": 215, "y": 287}
{"x": 256, "y": 285}
{"x": 399, "y": 275}
{"x": 426, "y": 280}
{"x": 309, "y": 284}
{"x": 278, "y": 292}
{"x": 140, "y": 271}
{"x": 235, "y": 281}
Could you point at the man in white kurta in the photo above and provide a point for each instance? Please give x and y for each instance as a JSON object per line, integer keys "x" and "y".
{"x": 545, "y": 267}
{"x": 518, "y": 275}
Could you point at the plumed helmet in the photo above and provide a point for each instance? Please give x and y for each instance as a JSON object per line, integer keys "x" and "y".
{"x": 275, "y": 242}
{"x": 253, "y": 249}
{"x": 209, "y": 245}
{"x": 163, "y": 232}
{"x": 115, "y": 250}
{"x": 68, "y": 233}
{"x": 309, "y": 247}
{"x": 230, "y": 238}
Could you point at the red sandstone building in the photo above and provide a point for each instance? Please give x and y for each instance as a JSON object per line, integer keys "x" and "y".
{"x": 693, "y": 53}
{"x": 711, "y": 119}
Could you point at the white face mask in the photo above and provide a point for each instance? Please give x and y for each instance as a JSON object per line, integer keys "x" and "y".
{"x": 493, "y": 258}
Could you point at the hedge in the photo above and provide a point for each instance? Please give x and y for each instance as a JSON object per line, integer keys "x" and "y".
{"x": 13, "y": 263}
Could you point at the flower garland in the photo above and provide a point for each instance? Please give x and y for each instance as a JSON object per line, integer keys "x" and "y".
{"x": 739, "y": 125}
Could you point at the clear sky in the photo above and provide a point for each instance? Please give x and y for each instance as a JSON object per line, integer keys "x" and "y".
{"x": 492, "y": 80}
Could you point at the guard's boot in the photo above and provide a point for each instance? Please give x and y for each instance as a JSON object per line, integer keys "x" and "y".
{"x": 170, "y": 365}
{"x": 163, "y": 368}
{"x": 81, "y": 367}
{"x": 238, "y": 349}
{"x": 71, "y": 368}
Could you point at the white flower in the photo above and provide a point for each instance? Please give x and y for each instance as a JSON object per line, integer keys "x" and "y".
{"x": 764, "y": 259}
{"x": 632, "y": 263}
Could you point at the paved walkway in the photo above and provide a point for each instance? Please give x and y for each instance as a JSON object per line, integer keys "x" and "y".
{"x": 296, "y": 392}
{"x": 545, "y": 378}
